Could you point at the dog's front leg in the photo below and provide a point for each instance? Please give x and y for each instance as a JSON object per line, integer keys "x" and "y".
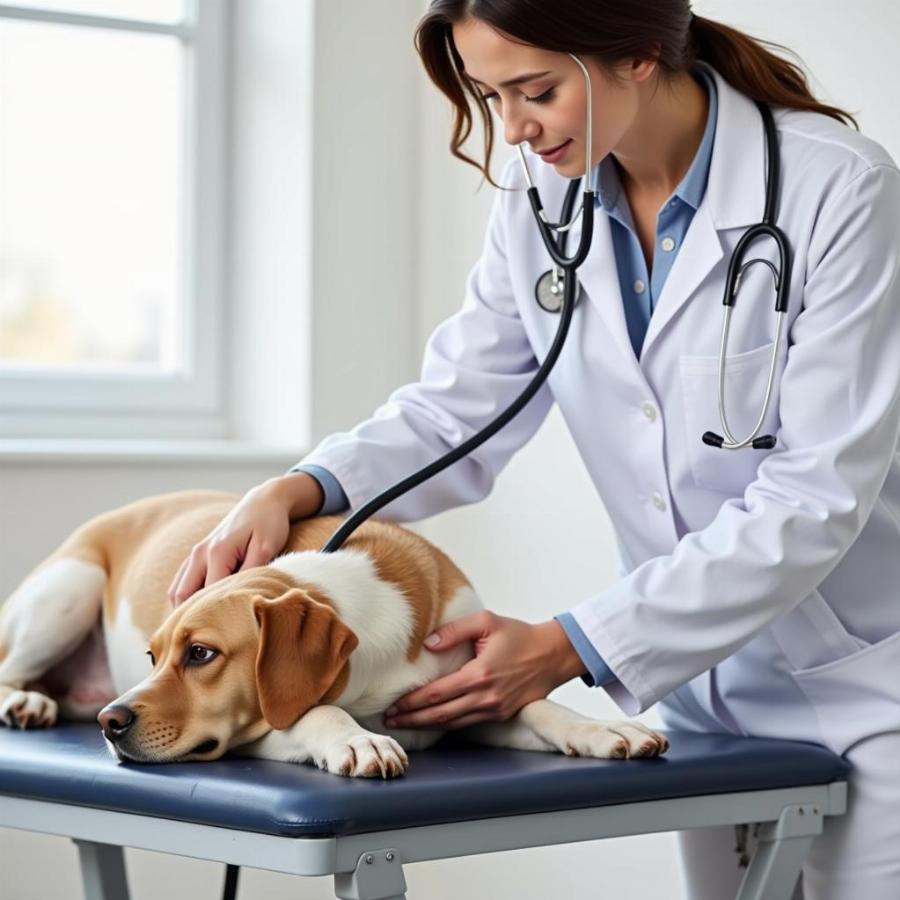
{"x": 329, "y": 737}
{"x": 545, "y": 725}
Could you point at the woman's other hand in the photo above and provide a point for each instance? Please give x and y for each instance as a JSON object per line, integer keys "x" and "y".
{"x": 515, "y": 662}
{"x": 252, "y": 534}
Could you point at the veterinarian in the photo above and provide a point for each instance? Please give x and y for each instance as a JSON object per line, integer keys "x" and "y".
{"x": 759, "y": 584}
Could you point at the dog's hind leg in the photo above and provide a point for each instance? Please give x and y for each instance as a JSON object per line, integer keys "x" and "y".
{"x": 46, "y": 619}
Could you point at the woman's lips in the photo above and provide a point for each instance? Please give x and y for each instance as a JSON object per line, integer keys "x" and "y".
{"x": 556, "y": 154}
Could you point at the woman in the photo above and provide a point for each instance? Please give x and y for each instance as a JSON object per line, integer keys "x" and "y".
{"x": 758, "y": 589}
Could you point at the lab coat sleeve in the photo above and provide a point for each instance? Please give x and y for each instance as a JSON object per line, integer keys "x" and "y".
{"x": 676, "y": 616}
{"x": 598, "y": 672}
{"x": 476, "y": 363}
{"x": 334, "y": 500}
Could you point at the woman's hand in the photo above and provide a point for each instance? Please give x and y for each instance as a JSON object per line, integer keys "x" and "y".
{"x": 252, "y": 534}
{"x": 515, "y": 662}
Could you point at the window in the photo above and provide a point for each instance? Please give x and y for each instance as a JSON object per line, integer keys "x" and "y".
{"x": 111, "y": 172}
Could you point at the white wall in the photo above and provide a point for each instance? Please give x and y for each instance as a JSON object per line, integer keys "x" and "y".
{"x": 381, "y": 141}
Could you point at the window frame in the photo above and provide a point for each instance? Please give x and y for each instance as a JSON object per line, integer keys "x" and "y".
{"x": 193, "y": 402}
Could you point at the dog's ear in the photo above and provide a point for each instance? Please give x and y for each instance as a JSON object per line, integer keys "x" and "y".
{"x": 303, "y": 646}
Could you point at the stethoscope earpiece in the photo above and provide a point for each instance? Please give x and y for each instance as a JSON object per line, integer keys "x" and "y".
{"x": 764, "y": 442}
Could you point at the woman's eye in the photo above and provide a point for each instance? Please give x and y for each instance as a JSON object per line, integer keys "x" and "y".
{"x": 546, "y": 97}
{"x": 152, "y": 657}
{"x": 201, "y": 654}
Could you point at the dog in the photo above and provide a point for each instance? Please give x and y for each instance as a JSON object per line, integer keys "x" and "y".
{"x": 294, "y": 661}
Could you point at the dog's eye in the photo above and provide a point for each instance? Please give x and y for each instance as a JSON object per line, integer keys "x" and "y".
{"x": 201, "y": 654}
{"x": 152, "y": 658}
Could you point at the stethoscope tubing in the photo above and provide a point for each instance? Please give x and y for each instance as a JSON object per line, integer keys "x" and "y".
{"x": 781, "y": 276}
{"x": 432, "y": 469}
{"x": 552, "y": 279}
{"x": 557, "y": 251}
{"x": 568, "y": 307}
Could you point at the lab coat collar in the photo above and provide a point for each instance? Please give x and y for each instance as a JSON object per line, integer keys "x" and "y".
{"x": 734, "y": 198}
{"x": 736, "y": 189}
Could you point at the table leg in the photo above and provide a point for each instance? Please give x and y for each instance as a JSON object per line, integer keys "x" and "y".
{"x": 102, "y": 871}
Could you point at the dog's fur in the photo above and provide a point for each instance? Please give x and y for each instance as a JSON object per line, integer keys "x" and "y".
{"x": 295, "y": 661}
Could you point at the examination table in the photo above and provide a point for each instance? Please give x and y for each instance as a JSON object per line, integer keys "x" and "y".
{"x": 455, "y": 800}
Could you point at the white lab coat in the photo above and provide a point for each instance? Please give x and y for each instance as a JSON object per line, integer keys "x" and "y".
{"x": 759, "y": 589}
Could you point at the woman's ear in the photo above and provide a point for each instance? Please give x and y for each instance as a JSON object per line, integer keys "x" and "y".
{"x": 303, "y": 646}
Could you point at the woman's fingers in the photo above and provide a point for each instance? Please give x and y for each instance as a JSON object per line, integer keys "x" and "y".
{"x": 176, "y": 581}
{"x": 192, "y": 578}
{"x": 456, "y": 713}
{"x": 223, "y": 557}
{"x": 469, "y": 627}
{"x": 252, "y": 534}
{"x": 258, "y": 553}
{"x": 455, "y": 692}
{"x": 217, "y": 557}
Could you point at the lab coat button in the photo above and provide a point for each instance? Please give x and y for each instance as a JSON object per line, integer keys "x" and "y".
{"x": 649, "y": 411}
{"x": 658, "y": 502}
{"x": 668, "y": 244}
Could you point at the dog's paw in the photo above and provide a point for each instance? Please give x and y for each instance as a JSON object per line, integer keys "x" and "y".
{"x": 611, "y": 740}
{"x": 365, "y": 755}
{"x": 28, "y": 709}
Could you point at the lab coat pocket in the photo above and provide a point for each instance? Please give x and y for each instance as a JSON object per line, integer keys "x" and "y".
{"x": 746, "y": 375}
{"x": 856, "y": 696}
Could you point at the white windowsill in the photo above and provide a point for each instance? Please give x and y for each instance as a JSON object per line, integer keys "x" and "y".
{"x": 216, "y": 452}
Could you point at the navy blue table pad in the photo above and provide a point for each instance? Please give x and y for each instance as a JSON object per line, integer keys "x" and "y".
{"x": 451, "y": 782}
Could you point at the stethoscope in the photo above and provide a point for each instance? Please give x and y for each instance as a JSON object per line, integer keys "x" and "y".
{"x": 550, "y": 288}
{"x": 556, "y": 290}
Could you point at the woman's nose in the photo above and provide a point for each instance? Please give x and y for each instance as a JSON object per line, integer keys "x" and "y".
{"x": 518, "y": 128}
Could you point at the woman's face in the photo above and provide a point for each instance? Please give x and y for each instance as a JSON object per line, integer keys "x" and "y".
{"x": 549, "y": 108}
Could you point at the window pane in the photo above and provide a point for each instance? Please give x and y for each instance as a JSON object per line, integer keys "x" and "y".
{"x": 91, "y": 180}
{"x": 167, "y": 11}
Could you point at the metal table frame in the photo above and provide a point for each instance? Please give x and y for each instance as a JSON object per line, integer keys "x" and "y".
{"x": 370, "y": 866}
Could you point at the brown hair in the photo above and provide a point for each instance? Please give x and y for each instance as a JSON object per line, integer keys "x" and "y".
{"x": 610, "y": 31}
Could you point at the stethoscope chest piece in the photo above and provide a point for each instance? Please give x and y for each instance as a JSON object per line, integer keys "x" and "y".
{"x": 550, "y": 288}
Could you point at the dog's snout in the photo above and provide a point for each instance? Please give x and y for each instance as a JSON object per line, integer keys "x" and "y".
{"x": 115, "y": 722}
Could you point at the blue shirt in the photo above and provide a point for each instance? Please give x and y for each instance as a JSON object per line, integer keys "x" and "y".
{"x": 640, "y": 290}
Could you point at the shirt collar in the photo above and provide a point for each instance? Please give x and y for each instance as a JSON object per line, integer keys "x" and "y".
{"x": 608, "y": 186}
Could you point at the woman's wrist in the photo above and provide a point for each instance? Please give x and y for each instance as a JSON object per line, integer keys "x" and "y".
{"x": 300, "y": 494}
{"x": 565, "y": 661}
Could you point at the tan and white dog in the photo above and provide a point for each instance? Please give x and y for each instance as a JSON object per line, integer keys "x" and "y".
{"x": 293, "y": 661}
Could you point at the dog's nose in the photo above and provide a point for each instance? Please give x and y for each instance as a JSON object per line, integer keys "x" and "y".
{"x": 115, "y": 722}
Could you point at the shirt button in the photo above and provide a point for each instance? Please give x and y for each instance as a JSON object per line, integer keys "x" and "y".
{"x": 649, "y": 411}
{"x": 658, "y": 502}
{"x": 668, "y": 244}
{"x": 639, "y": 286}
